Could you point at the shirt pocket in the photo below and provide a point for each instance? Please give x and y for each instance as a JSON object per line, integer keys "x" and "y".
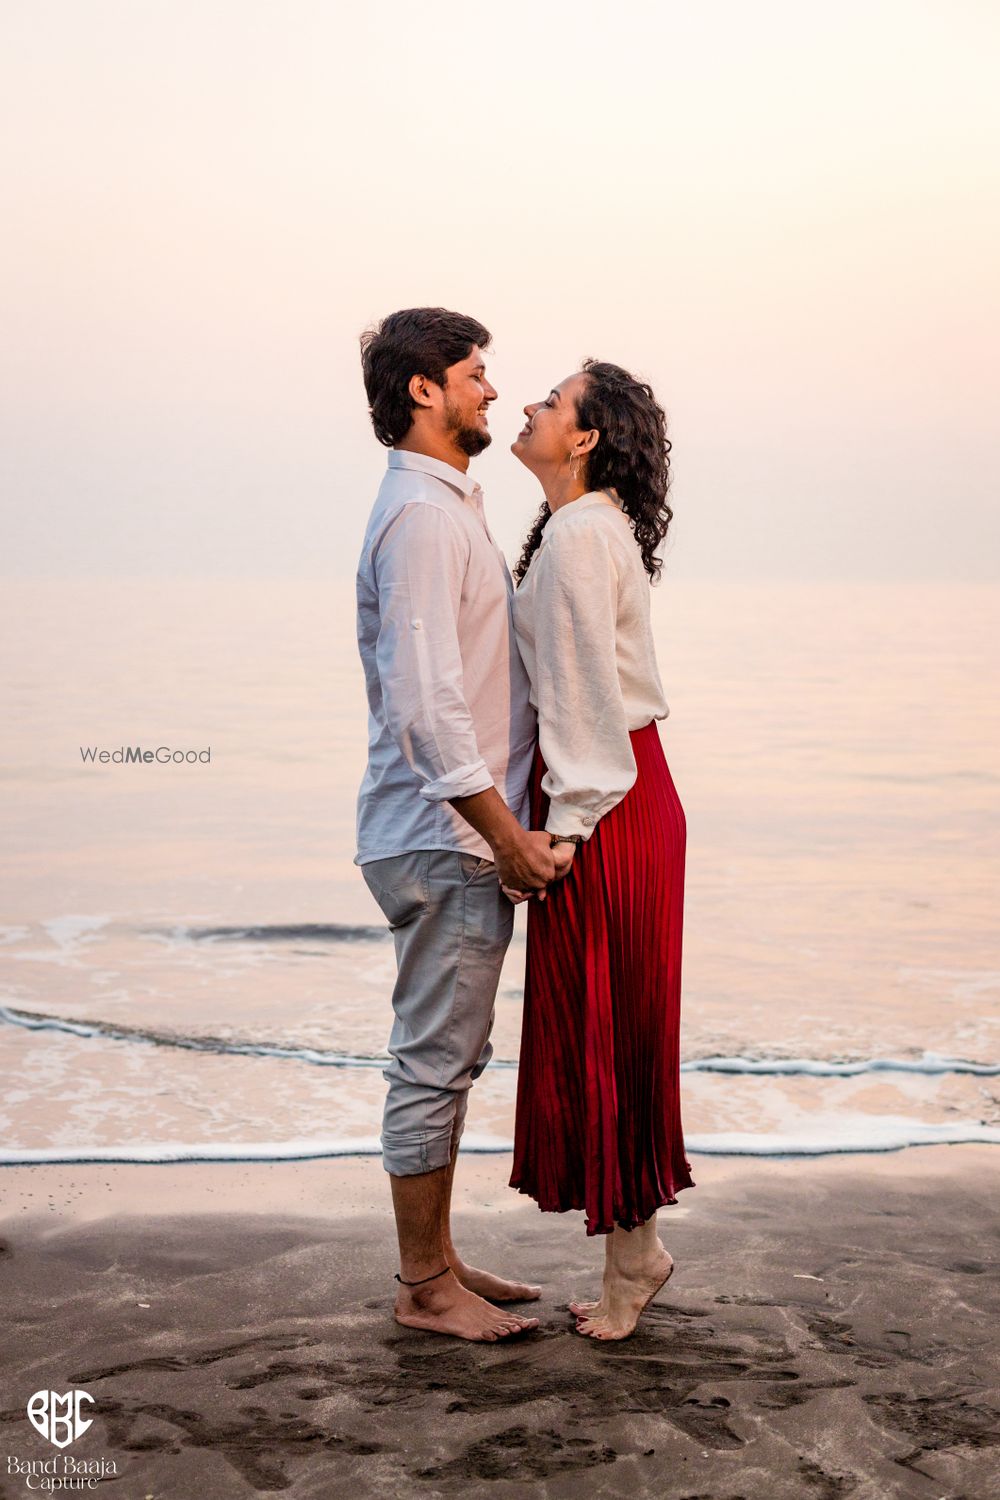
{"x": 471, "y": 866}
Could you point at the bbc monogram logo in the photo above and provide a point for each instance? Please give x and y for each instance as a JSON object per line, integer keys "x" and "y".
{"x": 58, "y": 1417}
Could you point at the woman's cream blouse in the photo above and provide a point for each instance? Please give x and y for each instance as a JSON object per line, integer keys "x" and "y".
{"x": 581, "y": 614}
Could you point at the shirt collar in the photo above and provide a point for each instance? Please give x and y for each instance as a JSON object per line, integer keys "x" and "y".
{"x": 592, "y": 497}
{"x": 405, "y": 459}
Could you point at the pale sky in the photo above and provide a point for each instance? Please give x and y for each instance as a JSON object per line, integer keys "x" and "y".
{"x": 785, "y": 215}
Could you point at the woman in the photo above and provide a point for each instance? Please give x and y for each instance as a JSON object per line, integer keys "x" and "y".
{"x": 598, "y": 1107}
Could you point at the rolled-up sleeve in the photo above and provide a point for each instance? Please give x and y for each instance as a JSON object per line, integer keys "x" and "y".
{"x": 582, "y": 724}
{"x": 419, "y": 568}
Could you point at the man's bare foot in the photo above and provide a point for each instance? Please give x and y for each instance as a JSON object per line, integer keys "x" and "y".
{"x": 626, "y": 1296}
{"x": 445, "y": 1306}
{"x": 494, "y": 1288}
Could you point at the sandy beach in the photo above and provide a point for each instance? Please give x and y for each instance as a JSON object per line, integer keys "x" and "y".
{"x": 829, "y": 1331}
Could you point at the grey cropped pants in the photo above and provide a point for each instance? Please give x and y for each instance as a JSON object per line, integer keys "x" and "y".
{"x": 451, "y": 925}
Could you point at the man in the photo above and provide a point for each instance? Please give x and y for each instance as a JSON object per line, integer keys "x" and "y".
{"x": 442, "y": 812}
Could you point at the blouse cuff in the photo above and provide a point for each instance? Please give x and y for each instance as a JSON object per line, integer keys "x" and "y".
{"x": 566, "y": 818}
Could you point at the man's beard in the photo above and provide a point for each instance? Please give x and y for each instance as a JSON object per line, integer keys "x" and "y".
{"x": 469, "y": 440}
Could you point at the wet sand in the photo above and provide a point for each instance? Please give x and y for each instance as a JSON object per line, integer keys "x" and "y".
{"x": 829, "y": 1331}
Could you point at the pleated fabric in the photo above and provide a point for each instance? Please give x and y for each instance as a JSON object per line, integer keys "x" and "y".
{"x": 598, "y": 1097}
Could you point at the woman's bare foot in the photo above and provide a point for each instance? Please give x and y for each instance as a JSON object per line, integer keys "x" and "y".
{"x": 636, "y": 1265}
{"x": 445, "y": 1306}
{"x": 626, "y": 1296}
{"x": 494, "y": 1288}
{"x": 589, "y": 1309}
{"x": 599, "y": 1308}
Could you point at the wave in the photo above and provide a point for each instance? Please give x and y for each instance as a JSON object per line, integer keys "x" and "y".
{"x": 114, "y": 1031}
{"x": 878, "y": 1134}
{"x": 929, "y": 1064}
{"x": 309, "y": 932}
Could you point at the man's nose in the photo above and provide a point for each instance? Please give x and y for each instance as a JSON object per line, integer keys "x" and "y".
{"x": 489, "y": 392}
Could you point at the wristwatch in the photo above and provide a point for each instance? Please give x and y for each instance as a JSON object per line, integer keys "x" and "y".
{"x": 564, "y": 838}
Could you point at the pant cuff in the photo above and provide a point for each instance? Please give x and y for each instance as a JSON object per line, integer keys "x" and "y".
{"x": 412, "y": 1156}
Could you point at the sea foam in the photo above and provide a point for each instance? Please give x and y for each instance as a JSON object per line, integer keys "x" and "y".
{"x": 929, "y": 1064}
{"x": 879, "y": 1133}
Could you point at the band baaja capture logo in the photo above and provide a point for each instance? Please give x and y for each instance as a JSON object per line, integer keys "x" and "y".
{"x": 60, "y": 1420}
{"x": 58, "y": 1417}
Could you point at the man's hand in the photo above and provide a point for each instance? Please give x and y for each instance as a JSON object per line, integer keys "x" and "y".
{"x": 524, "y": 860}
{"x": 526, "y": 863}
{"x": 563, "y": 854}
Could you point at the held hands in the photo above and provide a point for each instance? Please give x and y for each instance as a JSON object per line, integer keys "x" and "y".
{"x": 562, "y": 856}
{"x": 527, "y": 865}
{"x": 525, "y": 862}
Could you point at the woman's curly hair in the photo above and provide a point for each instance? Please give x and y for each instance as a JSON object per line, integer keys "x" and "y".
{"x": 631, "y": 457}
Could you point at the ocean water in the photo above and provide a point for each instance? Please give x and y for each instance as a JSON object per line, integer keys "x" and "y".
{"x": 192, "y": 966}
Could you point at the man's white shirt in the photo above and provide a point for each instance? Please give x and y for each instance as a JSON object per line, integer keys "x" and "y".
{"x": 449, "y": 711}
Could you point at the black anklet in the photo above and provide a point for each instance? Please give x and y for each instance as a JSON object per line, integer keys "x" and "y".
{"x": 423, "y": 1279}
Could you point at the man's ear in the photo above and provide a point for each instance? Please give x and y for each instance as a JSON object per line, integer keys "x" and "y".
{"x": 418, "y": 388}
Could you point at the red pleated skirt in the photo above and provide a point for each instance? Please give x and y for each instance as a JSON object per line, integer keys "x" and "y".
{"x": 598, "y": 1095}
